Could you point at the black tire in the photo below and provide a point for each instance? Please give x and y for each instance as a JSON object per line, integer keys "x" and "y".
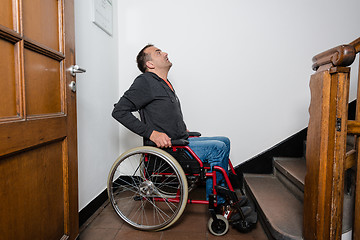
{"x": 219, "y": 227}
{"x": 133, "y": 188}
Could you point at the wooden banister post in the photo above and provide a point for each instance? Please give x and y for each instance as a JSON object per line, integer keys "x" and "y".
{"x": 325, "y": 154}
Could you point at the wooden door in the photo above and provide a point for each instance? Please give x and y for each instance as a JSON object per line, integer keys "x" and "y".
{"x": 38, "y": 153}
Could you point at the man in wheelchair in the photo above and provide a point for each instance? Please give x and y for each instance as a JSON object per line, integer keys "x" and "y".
{"x": 161, "y": 117}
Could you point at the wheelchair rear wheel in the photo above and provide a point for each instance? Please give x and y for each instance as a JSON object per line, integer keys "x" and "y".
{"x": 147, "y": 188}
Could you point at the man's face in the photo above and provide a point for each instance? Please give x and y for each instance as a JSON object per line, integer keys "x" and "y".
{"x": 159, "y": 59}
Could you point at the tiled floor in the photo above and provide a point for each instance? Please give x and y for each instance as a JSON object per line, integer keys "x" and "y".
{"x": 106, "y": 225}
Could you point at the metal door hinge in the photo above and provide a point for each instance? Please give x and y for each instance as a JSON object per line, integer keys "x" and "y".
{"x": 338, "y": 124}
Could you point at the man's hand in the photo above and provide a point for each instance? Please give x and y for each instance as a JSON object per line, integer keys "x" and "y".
{"x": 160, "y": 139}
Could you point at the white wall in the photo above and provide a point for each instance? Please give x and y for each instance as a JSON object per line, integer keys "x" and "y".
{"x": 97, "y": 89}
{"x": 240, "y": 68}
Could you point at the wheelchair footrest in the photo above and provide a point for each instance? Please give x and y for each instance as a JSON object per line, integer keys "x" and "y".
{"x": 247, "y": 224}
{"x": 239, "y": 213}
{"x": 245, "y": 219}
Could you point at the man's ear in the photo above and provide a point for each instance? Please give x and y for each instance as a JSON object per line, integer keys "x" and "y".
{"x": 150, "y": 65}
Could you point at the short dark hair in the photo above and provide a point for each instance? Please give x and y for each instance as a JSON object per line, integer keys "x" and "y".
{"x": 142, "y": 58}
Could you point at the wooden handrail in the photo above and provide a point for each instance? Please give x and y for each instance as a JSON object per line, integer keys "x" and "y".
{"x": 341, "y": 56}
{"x": 356, "y": 45}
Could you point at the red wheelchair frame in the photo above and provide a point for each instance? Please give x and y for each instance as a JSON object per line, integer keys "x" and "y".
{"x": 153, "y": 168}
{"x": 207, "y": 174}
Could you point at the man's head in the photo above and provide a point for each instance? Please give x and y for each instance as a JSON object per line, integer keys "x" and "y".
{"x": 142, "y": 58}
{"x": 150, "y": 58}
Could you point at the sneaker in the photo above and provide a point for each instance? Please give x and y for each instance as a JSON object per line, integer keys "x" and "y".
{"x": 246, "y": 211}
{"x": 242, "y": 201}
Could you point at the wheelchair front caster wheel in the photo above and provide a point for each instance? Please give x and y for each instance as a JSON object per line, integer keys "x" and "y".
{"x": 219, "y": 227}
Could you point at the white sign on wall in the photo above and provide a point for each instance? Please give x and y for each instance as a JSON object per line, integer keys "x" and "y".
{"x": 103, "y": 15}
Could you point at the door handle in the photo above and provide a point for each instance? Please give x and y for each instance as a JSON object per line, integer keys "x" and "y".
{"x": 74, "y": 69}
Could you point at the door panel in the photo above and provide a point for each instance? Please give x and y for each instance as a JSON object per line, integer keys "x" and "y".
{"x": 40, "y": 171}
{"x": 6, "y": 16}
{"x": 38, "y": 152}
{"x": 7, "y": 68}
{"x": 42, "y": 13}
{"x": 42, "y": 84}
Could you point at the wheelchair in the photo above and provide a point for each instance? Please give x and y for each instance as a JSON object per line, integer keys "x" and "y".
{"x": 148, "y": 188}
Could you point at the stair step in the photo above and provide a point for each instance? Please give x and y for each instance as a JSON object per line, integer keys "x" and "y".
{"x": 293, "y": 168}
{"x": 278, "y": 208}
{"x": 291, "y": 172}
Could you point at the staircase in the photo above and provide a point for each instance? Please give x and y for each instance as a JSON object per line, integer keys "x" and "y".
{"x": 324, "y": 207}
{"x": 278, "y": 197}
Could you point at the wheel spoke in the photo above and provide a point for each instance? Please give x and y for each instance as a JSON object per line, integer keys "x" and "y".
{"x": 140, "y": 195}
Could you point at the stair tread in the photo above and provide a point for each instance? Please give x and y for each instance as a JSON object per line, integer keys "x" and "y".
{"x": 280, "y": 208}
{"x": 293, "y": 168}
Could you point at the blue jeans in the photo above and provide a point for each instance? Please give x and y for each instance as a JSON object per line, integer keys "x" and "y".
{"x": 215, "y": 151}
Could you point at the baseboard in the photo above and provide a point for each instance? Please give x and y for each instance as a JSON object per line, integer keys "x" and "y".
{"x": 293, "y": 146}
{"x": 92, "y": 207}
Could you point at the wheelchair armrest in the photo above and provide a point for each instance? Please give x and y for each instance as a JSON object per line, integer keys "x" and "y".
{"x": 194, "y": 134}
{"x": 178, "y": 142}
